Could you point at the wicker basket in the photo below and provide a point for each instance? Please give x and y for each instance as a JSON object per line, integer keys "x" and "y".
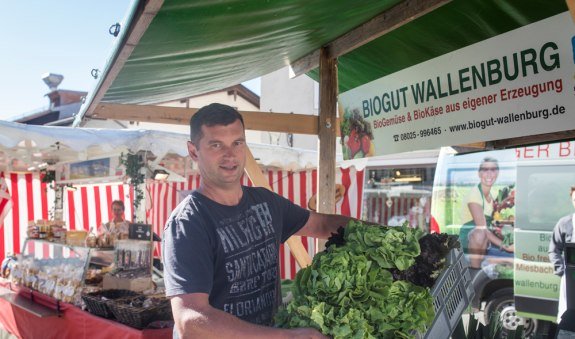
{"x": 136, "y": 312}
{"x": 97, "y": 302}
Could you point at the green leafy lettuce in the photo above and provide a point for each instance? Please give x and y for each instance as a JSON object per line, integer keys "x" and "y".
{"x": 389, "y": 246}
{"x": 348, "y": 291}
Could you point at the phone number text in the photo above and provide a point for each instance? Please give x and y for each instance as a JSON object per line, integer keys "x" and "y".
{"x": 422, "y": 133}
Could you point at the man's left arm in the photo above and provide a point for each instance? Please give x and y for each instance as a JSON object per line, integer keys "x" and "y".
{"x": 321, "y": 225}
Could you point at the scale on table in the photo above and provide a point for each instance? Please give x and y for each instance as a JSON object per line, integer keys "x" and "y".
{"x": 566, "y": 328}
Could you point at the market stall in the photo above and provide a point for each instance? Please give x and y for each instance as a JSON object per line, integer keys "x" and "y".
{"x": 353, "y": 45}
{"x": 86, "y": 201}
{"x": 72, "y": 323}
{"x": 163, "y": 197}
{"x": 29, "y": 223}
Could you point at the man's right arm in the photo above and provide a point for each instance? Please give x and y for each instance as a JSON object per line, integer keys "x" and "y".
{"x": 196, "y": 318}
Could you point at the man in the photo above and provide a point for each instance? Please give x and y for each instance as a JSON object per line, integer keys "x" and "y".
{"x": 221, "y": 244}
{"x": 118, "y": 227}
{"x": 562, "y": 234}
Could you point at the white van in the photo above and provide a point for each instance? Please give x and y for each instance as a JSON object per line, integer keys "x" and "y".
{"x": 521, "y": 202}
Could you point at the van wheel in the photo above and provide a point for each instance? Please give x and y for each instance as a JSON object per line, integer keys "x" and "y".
{"x": 502, "y": 302}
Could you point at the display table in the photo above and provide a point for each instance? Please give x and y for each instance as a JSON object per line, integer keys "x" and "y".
{"x": 65, "y": 320}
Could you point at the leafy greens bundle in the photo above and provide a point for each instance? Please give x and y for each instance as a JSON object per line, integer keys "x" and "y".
{"x": 359, "y": 288}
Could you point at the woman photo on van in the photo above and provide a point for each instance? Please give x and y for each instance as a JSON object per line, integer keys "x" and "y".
{"x": 476, "y": 239}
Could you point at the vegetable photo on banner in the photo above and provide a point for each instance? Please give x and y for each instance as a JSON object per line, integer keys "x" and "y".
{"x": 504, "y": 215}
{"x": 357, "y": 136}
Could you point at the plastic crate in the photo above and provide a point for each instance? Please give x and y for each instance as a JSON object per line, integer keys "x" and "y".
{"x": 452, "y": 293}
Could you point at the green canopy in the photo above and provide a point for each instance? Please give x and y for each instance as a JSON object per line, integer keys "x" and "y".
{"x": 194, "y": 47}
{"x": 456, "y": 25}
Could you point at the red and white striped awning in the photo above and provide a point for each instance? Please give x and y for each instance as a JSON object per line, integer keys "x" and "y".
{"x": 298, "y": 187}
{"x": 88, "y": 206}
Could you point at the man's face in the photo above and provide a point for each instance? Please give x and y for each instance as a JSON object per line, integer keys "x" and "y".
{"x": 488, "y": 173}
{"x": 118, "y": 211}
{"x": 573, "y": 198}
{"x": 220, "y": 154}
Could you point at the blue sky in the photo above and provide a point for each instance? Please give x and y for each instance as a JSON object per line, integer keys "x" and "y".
{"x": 68, "y": 37}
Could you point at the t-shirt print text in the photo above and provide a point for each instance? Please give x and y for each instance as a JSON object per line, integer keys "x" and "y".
{"x": 251, "y": 251}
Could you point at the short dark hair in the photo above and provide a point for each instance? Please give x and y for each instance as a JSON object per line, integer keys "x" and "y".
{"x": 488, "y": 159}
{"x": 572, "y": 190}
{"x": 211, "y": 115}
{"x": 119, "y": 203}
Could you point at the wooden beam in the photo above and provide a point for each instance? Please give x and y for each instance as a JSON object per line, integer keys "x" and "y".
{"x": 397, "y": 16}
{"x": 571, "y": 6}
{"x": 534, "y": 139}
{"x": 481, "y": 145}
{"x": 258, "y": 179}
{"x": 516, "y": 142}
{"x": 472, "y": 147}
{"x": 144, "y": 17}
{"x": 254, "y": 120}
{"x": 327, "y": 135}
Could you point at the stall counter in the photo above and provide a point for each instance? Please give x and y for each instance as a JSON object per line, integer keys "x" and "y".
{"x": 72, "y": 322}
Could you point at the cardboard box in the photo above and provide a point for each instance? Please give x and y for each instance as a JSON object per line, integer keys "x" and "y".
{"x": 76, "y": 238}
{"x": 137, "y": 284}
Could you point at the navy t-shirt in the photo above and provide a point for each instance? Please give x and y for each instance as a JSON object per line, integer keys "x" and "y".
{"x": 230, "y": 252}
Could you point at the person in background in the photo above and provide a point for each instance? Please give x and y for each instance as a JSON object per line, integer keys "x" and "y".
{"x": 562, "y": 234}
{"x": 221, "y": 244}
{"x": 118, "y": 227}
{"x": 475, "y": 237}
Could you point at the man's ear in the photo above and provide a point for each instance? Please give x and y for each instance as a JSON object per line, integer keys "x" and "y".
{"x": 192, "y": 151}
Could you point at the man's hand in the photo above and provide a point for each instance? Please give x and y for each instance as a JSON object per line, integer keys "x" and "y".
{"x": 321, "y": 225}
{"x": 195, "y": 318}
{"x": 307, "y": 333}
{"x": 508, "y": 248}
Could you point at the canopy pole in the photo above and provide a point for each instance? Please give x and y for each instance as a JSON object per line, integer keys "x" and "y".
{"x": 258, "y": 179}
{"x": 327, "y": 135}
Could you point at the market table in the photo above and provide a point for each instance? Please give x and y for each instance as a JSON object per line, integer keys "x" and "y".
{"x": 71, "y": 322}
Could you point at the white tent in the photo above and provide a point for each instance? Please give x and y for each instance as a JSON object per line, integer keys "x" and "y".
{"x": 25, "y": 147}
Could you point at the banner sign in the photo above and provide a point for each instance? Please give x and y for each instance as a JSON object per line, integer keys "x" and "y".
{"x": 515, "y": 84}
{"x": 533, "y": 272}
